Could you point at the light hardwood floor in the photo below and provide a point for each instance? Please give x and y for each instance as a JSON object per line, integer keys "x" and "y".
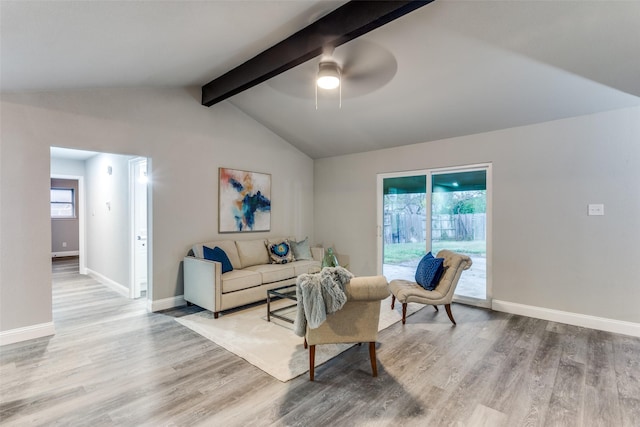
{"x": 112, "y": 363}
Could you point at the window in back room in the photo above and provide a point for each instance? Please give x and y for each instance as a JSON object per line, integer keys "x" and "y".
{"x": 63, "y": 203}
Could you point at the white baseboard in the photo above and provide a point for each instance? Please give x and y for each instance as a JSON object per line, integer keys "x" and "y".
{"x": 584, "y": 320}
{"x": 121, "y": 289}
{"x": 63, "y": 254}
{"x": 27, "y": 333}
{"x": 165, "y": 304}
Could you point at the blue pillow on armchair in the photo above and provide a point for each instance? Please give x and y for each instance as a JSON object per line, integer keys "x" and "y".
{"x": 421, "y": 266}
{"x": 429, "y": 271}
{"x": 217, "y": 254}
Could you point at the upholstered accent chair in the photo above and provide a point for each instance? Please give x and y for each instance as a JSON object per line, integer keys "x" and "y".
{"x": 407, "y": 291}
{"x": 355, "y": 322}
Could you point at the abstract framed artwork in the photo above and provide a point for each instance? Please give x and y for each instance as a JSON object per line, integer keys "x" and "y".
{"x": 244, "y": 201}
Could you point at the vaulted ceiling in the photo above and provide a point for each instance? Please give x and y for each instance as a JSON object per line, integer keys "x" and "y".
{"x": 450, "y": 68}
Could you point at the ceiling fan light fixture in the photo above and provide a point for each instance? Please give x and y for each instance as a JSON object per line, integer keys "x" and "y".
{"x": 328, "y": 75}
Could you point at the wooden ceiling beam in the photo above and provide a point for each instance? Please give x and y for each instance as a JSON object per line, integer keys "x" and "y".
{"x": 346, "y": 23}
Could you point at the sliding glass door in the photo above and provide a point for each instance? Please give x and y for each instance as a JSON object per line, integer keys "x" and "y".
{"x": 404, "y": 233}
{"x": 459, "y": 223}
{"x": 431, "y": 210}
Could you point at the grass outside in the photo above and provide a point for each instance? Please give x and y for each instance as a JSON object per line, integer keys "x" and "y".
{"x": 396, "y": 253}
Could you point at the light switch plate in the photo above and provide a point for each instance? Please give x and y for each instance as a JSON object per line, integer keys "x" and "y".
{"x": 596, "y": 209}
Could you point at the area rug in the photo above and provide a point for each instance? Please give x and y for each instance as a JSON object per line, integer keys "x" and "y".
{"x": 272, "y": 346}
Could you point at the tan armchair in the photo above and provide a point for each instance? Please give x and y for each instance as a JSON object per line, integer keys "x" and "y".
{"x": 355, "y": 322}
{"x": 407, "y": 291}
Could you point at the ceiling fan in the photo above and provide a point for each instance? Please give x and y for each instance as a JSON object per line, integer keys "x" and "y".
{"x": 355, "y": 69}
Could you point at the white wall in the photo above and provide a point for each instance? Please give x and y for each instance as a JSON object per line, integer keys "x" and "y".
{"x": 25, "y": 228}
{"x": 107, "y": 223}
{"x": 67, "y": 167}
{"x": 546, "y": 251}
{"x": 186, "y": 143}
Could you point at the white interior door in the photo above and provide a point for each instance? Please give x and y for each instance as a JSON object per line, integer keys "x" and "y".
{"x": 139, "y": 185}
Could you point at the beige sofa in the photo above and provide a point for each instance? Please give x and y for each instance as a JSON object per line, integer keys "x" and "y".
{"x": 253, "y": 274}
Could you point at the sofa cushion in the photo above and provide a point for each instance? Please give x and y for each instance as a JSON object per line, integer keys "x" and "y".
{"x": 280, "y": 251}
{"x": 301, "y": 250}
{"x": 273, "y": 272}
{"x": 240, "y": 279}
{"x": 217, "y": 254}
{"x": 252, "y": 252}
{"x": 429, "y": 272}
{"x": 305, "y": 266}
{"x": 408, "y": 291}
{"x": 228, "y": 246}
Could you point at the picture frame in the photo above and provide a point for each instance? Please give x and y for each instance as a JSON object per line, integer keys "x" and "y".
{"x": 244, "y": 201}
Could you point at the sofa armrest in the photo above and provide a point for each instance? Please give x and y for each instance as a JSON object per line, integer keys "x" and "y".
{"x": 317, "y": 253}
{"x": 203, "y": 283}
{"x": 343, "y": 260}
{"x": 367, "y": 288}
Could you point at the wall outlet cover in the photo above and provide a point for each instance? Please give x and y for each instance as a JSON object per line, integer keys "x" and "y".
{"x": 595, "y": 209}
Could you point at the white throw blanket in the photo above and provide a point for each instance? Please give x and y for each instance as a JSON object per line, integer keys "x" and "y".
{"x": 318, "y": 295}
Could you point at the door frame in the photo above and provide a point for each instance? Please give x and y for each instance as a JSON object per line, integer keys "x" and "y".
{"x": 82, "y": 252}
{"x": 134, "y": 289}
{"x": 380, "y": 177}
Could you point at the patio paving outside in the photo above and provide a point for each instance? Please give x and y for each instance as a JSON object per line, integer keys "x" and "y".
{"x": 472, "y": 282}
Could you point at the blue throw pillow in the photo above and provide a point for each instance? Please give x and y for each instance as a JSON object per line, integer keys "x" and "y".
{"x": 429, "y": 271}
{"x": 217, "y": 254}
{"x": 421, "y": 266}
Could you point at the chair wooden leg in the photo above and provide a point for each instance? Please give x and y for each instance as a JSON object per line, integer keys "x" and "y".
{"x": 305, "y": 343}
{"x": 404, "y": 313}
{"x": 393, "y": 301}
{"x": 448, "y": 308}
{"x": 372, "y": 355}
{"x": 436, "y": 307}
{"x": 312, "y": 361}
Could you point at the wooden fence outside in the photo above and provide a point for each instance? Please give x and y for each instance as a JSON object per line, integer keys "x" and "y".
{"x": 404, "y": 228}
